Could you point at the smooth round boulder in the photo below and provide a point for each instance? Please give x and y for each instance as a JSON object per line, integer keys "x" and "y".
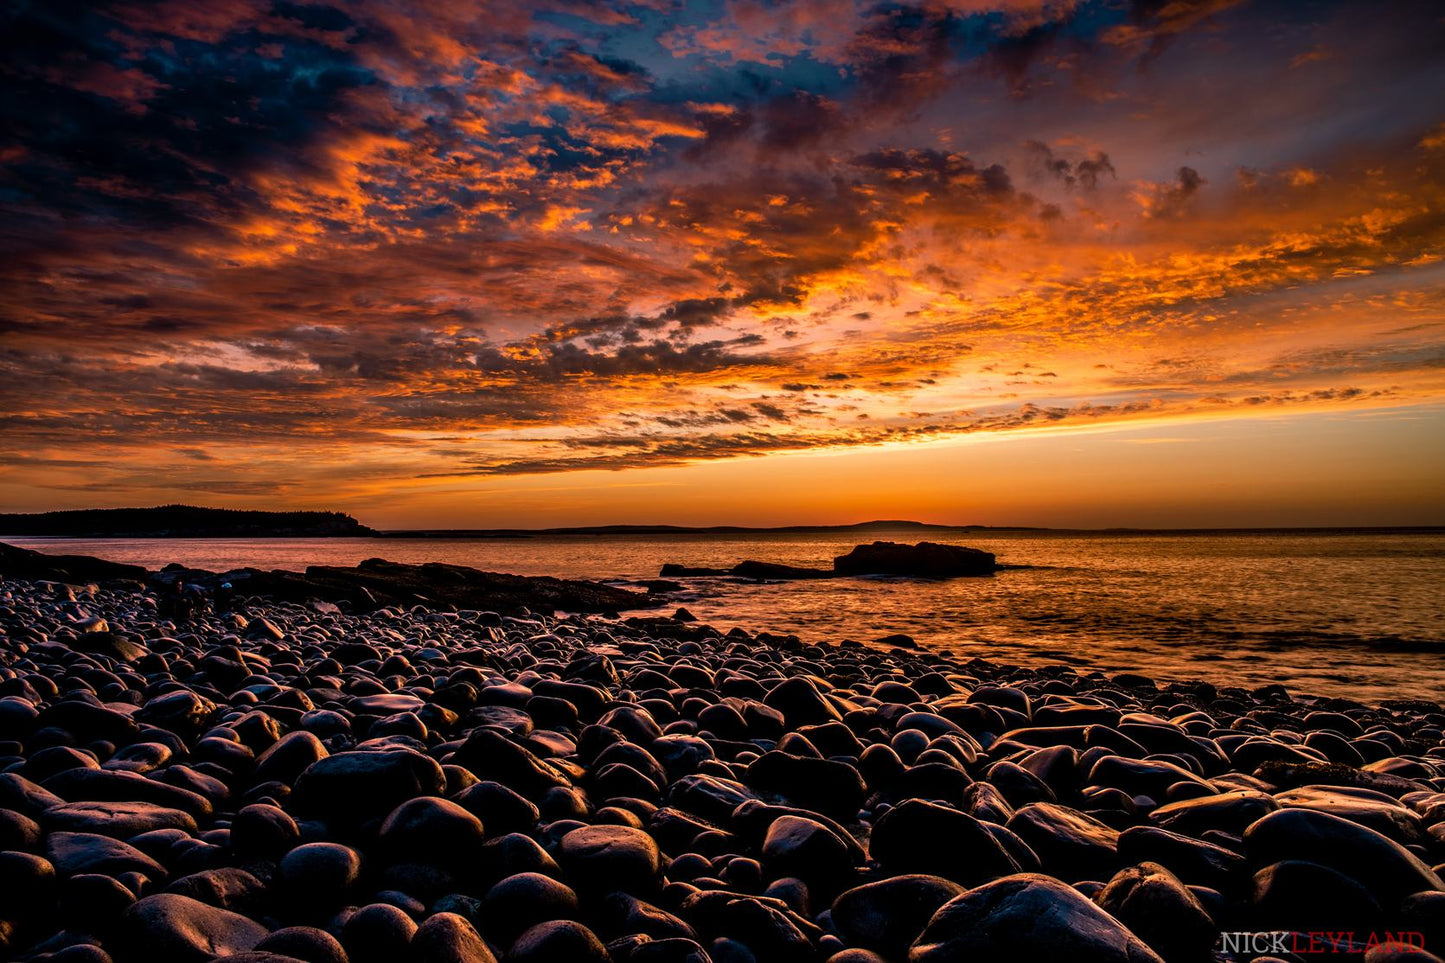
{"x": 432, "y": 830}
{"x": 500, "y": 809}
{"x": 1388, "y": 870}
{"x": 76, "y": 853}
{"x": 558, "y": 941}
{"x": 318, "y": 875}
{"x": 523, "y": 900}
{"x": 805, "y": 848}
{"x": 1161, "y": 911}
{"x": 306, "y": 943}
{"x": 177, "y": 928}
{"x": 601, "y": 859}
{"x": 119, "y": 819}
{"x": 801, "y": 704}
{"x": 1305, "y": 896}
{"x": 888, "y": 915}
{"x": 377, "y": 933}
{"x": 448, "y": 938}
{"x": 1026, "y": 917}
{"x": 1071, "y": 844}
{"x": 30, "y": 883}
{"x": 924, "y": 837}
{"x": 354, "y": 787}
{"x": 260, "y": 831}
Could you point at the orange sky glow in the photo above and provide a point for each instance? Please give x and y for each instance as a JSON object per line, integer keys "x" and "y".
{"x": 494, "y": 264}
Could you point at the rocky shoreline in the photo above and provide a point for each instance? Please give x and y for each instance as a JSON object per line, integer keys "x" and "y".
{"x": 286, "y": 782}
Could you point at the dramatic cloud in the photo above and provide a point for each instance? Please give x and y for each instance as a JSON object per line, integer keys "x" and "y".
{"x": 253, "y": 246}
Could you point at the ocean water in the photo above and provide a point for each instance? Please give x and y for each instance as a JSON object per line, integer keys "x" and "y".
{"x": 1351, "y": 615}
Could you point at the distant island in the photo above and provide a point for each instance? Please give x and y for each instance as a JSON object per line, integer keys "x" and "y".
{"x": 182, "y": 521}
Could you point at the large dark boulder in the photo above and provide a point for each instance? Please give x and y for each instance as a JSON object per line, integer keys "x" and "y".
{"x": 22, "y": 563}
{"x": 888, "y": 915}
{"x": 923, "y": 837}
{"x": 924, "y": 560}
{"x": 172, "y": 927}
{"x": 1162, "y": 911}
{"x": 1389, "y": 871}
{"x": 354, "y": 787}
{"x": 1027, "y": 917}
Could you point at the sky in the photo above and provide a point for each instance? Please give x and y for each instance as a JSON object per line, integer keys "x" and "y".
{"x": 439, "y": 263}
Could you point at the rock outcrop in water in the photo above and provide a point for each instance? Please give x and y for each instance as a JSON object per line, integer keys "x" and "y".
{"x": 280, "y": 784}
{"x": 370, "y": 585}
{"x": 22, "y": 563}
{"x": 923, "y": 560}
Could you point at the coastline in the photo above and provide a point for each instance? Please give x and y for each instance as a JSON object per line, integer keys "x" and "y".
{"x": 656, "y": 790}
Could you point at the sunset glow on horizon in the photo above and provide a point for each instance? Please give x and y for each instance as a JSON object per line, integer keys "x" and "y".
{"x": 456, "y": 265}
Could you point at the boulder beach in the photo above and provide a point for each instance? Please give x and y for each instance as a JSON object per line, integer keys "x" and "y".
{"x": 288, "y": 781}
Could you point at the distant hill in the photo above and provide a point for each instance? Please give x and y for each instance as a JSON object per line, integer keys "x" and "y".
{"x": 182, "y": 521}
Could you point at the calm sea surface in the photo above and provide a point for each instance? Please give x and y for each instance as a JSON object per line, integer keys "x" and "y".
{"x": 1353, "y": 615}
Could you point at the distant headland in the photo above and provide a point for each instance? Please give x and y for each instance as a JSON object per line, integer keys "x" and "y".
{"x": 183, "y": 521}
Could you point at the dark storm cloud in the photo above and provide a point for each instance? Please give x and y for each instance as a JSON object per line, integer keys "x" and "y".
{"x": 161, "y": 138}
{"x": 1084, "y": 172}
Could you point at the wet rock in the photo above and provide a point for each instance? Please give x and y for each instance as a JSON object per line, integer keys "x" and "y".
{"x": 1305, "y": 896}
{"x": 523, "y": 900}
{"x": 923, "y": 560}
{"x": 74, "y": 853}
{"x": 559, "y": 941}
{"x": 433, "y": 831}
{"x": 448, "y": 938}
{"x": 805, "y": 848}
{"x": 1231, "y": 812}
{"x": 305, "y": 943}
{"x": 923, "y": 837}
{"x": 606, "y": 858}
{"x": 1160, "y": 910}
{"x": 827, "y": 786}
{"x": 1366, "y": 807}
{"x": 353, "y": 787}
{"x": 227, "y": 887}
{"x": 1070, "y": 844}
{"x": 316, "y": 876}
{"x": 1192, "y": 860}
{"x": 1027, "y": 917}
{"x": 171, "y": 927}
{"x": 120, "y": 820}
{"x": 1388, "y": 870}
{"x": 801, "y": 704}
{"x": 377, "y": 933}
{"x": 888, "y": 915}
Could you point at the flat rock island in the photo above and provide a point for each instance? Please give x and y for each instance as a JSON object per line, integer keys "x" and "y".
{"x": 273, "y": 778}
